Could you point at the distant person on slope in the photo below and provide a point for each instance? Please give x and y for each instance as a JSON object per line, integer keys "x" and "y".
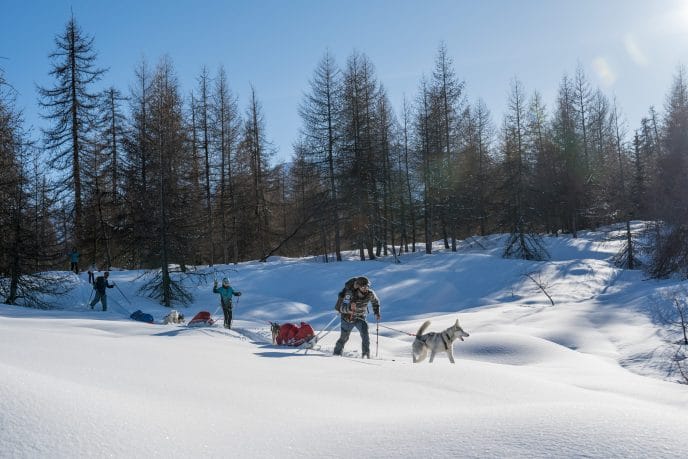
{"x": 226, "y": 293}
{"x": 352, "y": 304}
{"x": 74, "y": 260}
{"x": 92, "y": 274}
{"x": 99, "y": 285}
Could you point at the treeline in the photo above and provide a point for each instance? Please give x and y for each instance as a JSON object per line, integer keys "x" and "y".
{"x": 162, "y": 178}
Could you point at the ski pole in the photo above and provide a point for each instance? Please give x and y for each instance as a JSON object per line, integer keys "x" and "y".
{"x": 122, "y": 293}
{"x": 399, "y": 331}
{"x": 326, "y": 328}
{"x": 377, "y": 335}
{"x": 90, "y": 297}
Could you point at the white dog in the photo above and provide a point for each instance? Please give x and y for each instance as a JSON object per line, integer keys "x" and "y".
{"x": 436, "y": 342}
{"x": 174, "y": 317}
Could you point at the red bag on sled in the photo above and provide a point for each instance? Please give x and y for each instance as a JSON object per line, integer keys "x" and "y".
{"x": 294, "y": 335}
{"x": 304, "y": 334}
{"x": 202, "y": 319}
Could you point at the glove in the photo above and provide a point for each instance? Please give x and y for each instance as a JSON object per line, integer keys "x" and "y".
{"x": 238, "y": 293}
{"x": 377, "y": 317}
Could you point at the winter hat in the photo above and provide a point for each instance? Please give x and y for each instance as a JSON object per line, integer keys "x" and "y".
{"x": 225, "y": 281}
{"x": 362, "y": 282}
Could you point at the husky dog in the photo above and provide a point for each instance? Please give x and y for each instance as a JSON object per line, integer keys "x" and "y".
{"x": 436, "y": 342}
{"x": 174, "y": 317}
{"x": 274, "y": 329}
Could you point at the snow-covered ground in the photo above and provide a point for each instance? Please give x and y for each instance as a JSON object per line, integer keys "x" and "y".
{"x": 586, "y": 377}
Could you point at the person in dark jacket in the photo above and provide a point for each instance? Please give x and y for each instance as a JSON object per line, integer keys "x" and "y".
{"x": 352, "y": 304}
{"x": 226, "y": 293}
{"x": 100, "y": 285}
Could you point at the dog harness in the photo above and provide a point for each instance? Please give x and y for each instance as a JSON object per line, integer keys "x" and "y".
{"x": 446, "y": 340}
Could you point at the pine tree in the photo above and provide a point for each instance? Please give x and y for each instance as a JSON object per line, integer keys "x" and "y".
{"x": 360, "y": 158}
{"x": 70, "y": 105}
{"x": 256, "y": 155}
{"x": 139, "y": 179}
{"x": 28, "y": 244}
{"x": 203, "y": 112}
{"x": 170, "y": 188}
{"x": 226, "y": 130}
{"x": 104, "y": 173}
{"x": 548, "y": 181}
{"x": 477, "y": 174}
{"x": 519, "y": 218}
{"x": 448, "y": 91}
{"x": 670, "y": 253}
{"x": 568, "y": 150}
{"x": 321, "y": 115}
{"x": 408, "y": 191}
{"x": 427, "y": 161}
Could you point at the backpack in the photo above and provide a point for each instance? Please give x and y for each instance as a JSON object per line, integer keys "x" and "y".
{"x": 286, "y": 335}
{"x": 141, "y": 316}
{"x": 100, "y": 284}
{"x": 349, "y": 285}
{"x": 294, "y": 335}
{"x": 304, "y": 334}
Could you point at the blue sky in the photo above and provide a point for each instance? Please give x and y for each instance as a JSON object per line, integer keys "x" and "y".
{"x": 629, "y": 48}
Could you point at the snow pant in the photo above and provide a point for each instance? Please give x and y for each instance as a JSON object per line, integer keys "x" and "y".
{"x": 227, "y": 310}
{"x": 102, "y": 297}
{"x": 91, "y": 277}
{"x": 347, "y": 327}
{"x": 74, "y": 266}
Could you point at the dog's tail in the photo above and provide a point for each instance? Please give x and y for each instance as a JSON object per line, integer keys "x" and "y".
{"x": 422, "y": 328}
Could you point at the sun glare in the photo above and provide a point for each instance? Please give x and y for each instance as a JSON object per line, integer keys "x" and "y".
{"x": 679, "y": 18}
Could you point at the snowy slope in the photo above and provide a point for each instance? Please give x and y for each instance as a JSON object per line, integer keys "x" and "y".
{"x": 586, "y": 377}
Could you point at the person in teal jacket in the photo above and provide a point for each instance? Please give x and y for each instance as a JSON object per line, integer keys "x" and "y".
{"x": 74, "y": 260}
{"x": 226, "y": 293}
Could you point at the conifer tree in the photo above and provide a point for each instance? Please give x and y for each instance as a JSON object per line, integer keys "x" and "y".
{"x": 519, "y": 218}
{"x": 321, "y": 115}
{"x": 28, "y": 243}
{"x": 139, "y": 242}
{"x": 448, "y": 91}
{"x": 202, "y": 113}
{"x": 70, "y": 106}
{"x": 671, "y": 247}
{"x": 226, "y": 131}
{"x": 360, "y": 158}
{"x": 568, "y": 151}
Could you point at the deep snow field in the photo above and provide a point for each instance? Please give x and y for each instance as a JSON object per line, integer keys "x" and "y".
{"x": 587, "y": 377}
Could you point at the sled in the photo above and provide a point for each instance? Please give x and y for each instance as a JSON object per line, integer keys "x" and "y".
{"x": 309, "y": 343}
{"x": 297, "y": 336}
{"x": 202, "y": 319}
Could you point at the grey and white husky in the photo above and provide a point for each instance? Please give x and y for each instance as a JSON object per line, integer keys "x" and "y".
{"x": 174, "y": 317}
{"x": 435, "y": 342}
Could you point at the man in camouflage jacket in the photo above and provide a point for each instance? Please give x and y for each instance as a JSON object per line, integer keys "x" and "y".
{"x": 352, "y": 304}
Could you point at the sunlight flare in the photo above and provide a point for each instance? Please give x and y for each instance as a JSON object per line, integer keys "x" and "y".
{"x": 604, "y": 71}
